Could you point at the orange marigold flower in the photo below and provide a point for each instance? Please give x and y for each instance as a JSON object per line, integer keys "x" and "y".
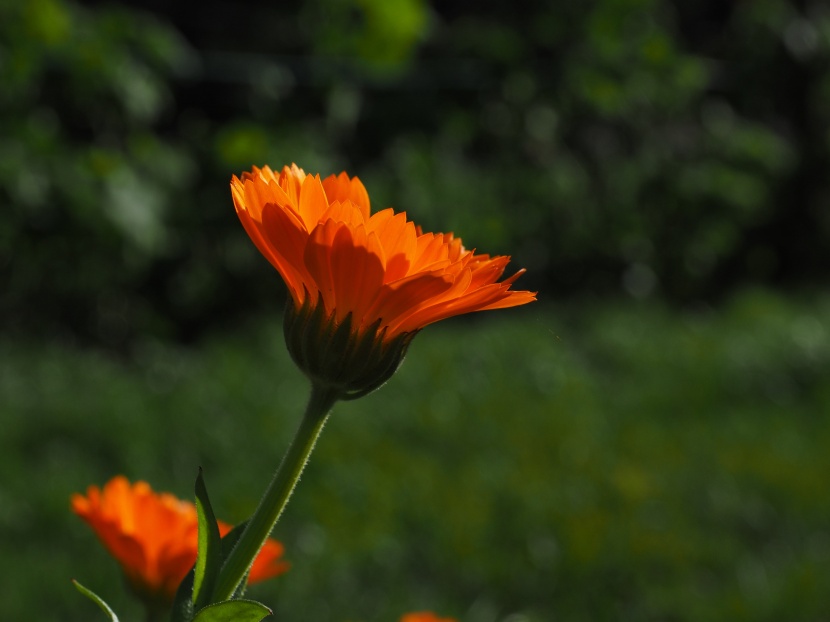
{"x": 424, "y": 616}
{"x": 154, "y": 537}
{"x": 378, "y": 273}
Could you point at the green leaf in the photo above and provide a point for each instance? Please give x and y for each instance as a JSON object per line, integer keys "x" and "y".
{"x": 233, "y": 611}
{"x": 97, "y": 600}
{"x": 209, "y": 559}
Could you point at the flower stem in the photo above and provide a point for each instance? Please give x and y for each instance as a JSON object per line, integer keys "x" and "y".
{"x": 153, "y": 613}
{"x": 276, "y": 496}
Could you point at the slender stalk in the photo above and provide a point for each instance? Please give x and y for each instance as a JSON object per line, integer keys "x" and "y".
{"x": 276, "y": 496}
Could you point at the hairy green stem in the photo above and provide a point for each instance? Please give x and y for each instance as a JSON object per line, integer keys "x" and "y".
{"x": 276, "y": 496}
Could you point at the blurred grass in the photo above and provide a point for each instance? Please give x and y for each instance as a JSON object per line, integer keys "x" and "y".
{"x": 604, "y": 462}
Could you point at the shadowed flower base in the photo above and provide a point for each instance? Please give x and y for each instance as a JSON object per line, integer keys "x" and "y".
{"x": 338, "y": 357}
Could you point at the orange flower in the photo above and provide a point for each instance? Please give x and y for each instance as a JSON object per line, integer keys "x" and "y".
{"x": 378, "y": 272}
{"x": 424, "y": 616}
{"x": 154, "y": 537}
{"x": 321, "y": 238}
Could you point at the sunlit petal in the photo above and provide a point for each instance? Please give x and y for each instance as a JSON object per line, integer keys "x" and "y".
{"x": 381, "y": 269}
{"x": 341, "y": 188}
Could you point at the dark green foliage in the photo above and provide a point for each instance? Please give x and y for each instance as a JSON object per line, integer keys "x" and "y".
{"x": 628, "y": 463}
{"x": 605, "y": 463}
{"x": 86, "y": 180}
{"x": 644, "y": 146}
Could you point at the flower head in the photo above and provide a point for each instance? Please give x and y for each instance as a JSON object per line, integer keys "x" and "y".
{"x": 154, "y": 536}
{"x": 424, "y": 616}
{"x": 378, "y": 274}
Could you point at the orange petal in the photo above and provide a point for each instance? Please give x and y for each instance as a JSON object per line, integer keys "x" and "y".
{"x": 345, "y": 212}
{"x": 291, "y": 181}
{"x": 268, "y": 562}
{"x": 313, "y": 201}
{"x": 430, "y": 253}
{"x": 341, "y": 188}
{"x": 254, "y": 194}
{"x": 494, "y": 296}
{"x": 399, "y": 241}
{"x": 399, "y": 298}
{"x": 285, "y": 244}
{"x": 347, "y": 266}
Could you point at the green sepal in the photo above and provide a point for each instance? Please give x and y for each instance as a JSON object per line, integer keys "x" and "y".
{"x": 367, "y": 350}
{"x": 341, "y": 344}
{"x": 340, "y": 356}
{"x": 233, "y": 611}
{"x": 386, "y": 358}
{"x": 316, "y": 329}
{"x": 209, "y": 558}
{"x": 96, "y": 599}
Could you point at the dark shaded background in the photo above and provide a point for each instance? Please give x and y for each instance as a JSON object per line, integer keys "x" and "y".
{"x": 647, "y": 442}
{"x": 644, "y": 147}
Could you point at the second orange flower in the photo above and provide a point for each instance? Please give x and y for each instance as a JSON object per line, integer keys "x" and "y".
{"x": 154, "y": 537}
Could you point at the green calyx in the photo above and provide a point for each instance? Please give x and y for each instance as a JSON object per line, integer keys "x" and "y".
{"x": 336, "y": 356}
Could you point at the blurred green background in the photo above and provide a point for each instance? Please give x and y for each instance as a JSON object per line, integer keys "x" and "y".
{"x": 647, "y": 442}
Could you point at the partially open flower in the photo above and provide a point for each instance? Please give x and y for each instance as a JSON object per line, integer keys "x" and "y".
{"x": 376, "y": 274}
{"x": 424, "y": 616}
{"x": 154, "y": 537}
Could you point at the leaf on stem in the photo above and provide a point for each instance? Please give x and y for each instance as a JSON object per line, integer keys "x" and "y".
{"x": 233, "y": 611}
{"x": 209, "y": 558}
{"x": 96, "y": 599}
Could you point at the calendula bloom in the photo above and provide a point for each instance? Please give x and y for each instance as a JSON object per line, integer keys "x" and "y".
{"x": 361, "y": 284}
{"x": 154, "y": 537}
{"x": 424, "y": 616}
